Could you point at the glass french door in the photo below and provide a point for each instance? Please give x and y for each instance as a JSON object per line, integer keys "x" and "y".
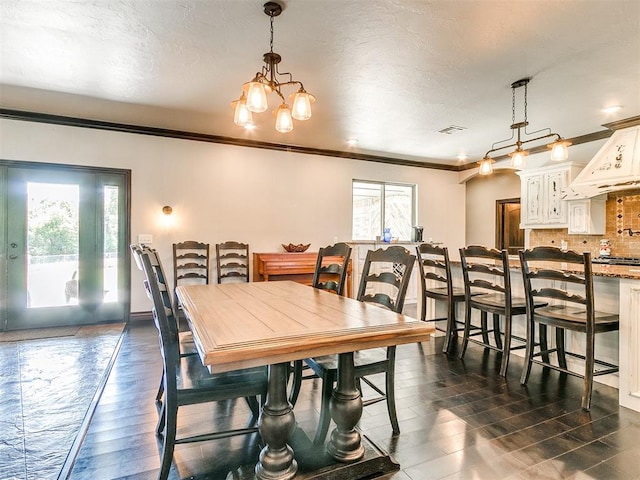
{"x": 65, "y": 232}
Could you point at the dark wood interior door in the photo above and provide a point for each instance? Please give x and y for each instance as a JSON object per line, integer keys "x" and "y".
{"x": 509, "y": 235}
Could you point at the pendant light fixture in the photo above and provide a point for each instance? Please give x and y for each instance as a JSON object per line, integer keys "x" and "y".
{"x": 558, "y": 148}
{"x": 254, "y": 93}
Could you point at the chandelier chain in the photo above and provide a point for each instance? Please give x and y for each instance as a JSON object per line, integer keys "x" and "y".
{"x": 271, "y": 41}
{"x": 525, "y": 107}
{"x": 513, "y": 105}
{"x": 558, "y": 146}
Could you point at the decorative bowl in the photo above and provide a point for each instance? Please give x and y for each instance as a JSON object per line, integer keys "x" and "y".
{"x": 300, "y": 247}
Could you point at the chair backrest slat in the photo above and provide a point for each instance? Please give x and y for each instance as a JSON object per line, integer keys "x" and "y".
{"x": 435, "y": 277}
{"x": 482, "y": 283}
{"x": 339, "y": 270}
{"x": 557, "y": 275}
{"x": 556, "y": 294}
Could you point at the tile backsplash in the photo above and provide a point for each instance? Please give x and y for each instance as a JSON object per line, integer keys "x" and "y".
{"x": 622, "y": 214}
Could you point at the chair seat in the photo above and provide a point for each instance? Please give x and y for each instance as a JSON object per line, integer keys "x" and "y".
{"x": 361, "y": 359}
{"x": 194, "y": 379}
{"x": 187, "y": 345}
{"x": 575, "y": 318}
{"x": 440, "y": 293}
{"x": 496, "y": 301}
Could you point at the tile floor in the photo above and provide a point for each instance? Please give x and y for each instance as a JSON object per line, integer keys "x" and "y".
{"x": 46, "y": 386}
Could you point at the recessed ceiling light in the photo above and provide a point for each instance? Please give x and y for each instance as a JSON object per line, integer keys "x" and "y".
{"x": 352, "y": 142}
{"x": 462, "y": 157}
{"x": 612, "y": 109}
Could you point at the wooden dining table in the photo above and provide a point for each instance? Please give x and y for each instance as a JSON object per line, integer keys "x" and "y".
{"x": 241, "y": 325}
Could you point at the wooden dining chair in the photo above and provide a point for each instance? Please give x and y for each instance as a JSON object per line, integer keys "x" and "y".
{"x": 487, "y": 283}
{"x": 186, "y": 380}
{"x": 186, "y": 345}
{"x": 190, "y": 263}
{"x": 385, "y": 278}
{"x": 330, "y": 274}
{"x": 437, "y": 284}
{"x": 564, "y": 282}
{"x": 232, "y": 261}
{"x": 190, "y": 266}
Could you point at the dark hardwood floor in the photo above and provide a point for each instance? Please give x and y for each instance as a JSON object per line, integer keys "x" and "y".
{"x": 458, "y": 420}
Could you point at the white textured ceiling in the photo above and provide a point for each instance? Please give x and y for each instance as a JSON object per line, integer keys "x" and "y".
{"x": 391, "y": 73}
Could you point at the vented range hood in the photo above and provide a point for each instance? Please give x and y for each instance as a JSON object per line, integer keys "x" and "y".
{"x": 615, "y": 167}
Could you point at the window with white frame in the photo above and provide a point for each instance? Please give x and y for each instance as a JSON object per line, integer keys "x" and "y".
{"x": 380, "y": 205}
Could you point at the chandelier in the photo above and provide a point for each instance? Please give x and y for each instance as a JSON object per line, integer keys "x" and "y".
{"x": 559, "y": 151}
{"x": 254, "y": 93}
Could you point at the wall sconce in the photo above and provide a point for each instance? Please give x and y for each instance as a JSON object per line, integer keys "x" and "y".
{"x": 167, "y": 217}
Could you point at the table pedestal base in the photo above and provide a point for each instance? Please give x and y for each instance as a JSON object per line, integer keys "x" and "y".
{"x": 276, "y": 425}
{"x": 345, "y": 407}
{"x": 314, "y": 463}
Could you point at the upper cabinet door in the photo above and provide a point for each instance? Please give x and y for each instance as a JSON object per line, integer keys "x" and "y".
{"x": 541, "y": 196}
{"x": 556, "y": 210}
{"x": 532, "y": 199}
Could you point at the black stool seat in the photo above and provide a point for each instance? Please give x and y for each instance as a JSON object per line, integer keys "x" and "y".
{"x": 498, "y": 301}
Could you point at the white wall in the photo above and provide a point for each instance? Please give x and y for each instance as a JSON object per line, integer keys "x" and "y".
{"x": 482, "y": 193}
{"x": 222, "y": 192}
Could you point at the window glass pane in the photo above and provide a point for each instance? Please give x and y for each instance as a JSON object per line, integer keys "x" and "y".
{"x": 110, "y": 253}
{"x": 398, "y": 202}
{"x": 367, "y": 209}
{"x": 52, "y": 243}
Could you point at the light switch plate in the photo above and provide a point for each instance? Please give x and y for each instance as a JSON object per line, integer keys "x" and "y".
{"x": 145, "y": 238}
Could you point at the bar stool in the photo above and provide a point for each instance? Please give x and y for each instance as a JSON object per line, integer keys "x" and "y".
{"x": 436, "y": 267}
{"x": 487, "y": 285}
{"x": 556, "y": 276}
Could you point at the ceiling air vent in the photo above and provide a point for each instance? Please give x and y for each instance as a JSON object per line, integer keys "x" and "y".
{"x": 451, "y": 130}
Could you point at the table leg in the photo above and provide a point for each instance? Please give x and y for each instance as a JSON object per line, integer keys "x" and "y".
{"x": 276, "y": 425}
{"x": 346, "y": 409}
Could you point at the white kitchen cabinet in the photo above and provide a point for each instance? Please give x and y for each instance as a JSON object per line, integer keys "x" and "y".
{"x": 629, "y": 348}
{"x": 541, "y": 196}
{"x": 587, "y": 216}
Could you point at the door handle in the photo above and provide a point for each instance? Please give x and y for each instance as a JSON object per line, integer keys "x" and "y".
{"x": 13, "y": 256}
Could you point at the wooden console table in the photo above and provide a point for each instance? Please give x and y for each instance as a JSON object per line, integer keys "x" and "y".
{"x": 298, "y": 267}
